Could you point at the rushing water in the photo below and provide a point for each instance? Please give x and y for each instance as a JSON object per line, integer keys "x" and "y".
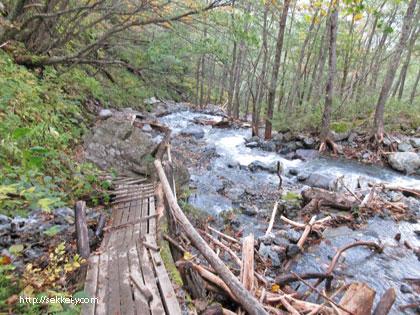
{"x": 380, "y": 271}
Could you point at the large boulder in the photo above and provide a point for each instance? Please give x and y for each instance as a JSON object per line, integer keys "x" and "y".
{"x": 415, "y": 142}
{"x": 305, "y": 154}
{"x": 407, "y": 162}
{"x": 119, "y": 145}
{"x": 339, "y": 136}
{"x": 319, "y": 180}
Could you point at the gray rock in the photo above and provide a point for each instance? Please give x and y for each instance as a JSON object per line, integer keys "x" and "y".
{"x": 404, "y": 146}
{"x": 351, "y": 181}
{"x": 292, "y": 145}
{"x": 387, "y": 142}
{"x": 269, "y": 146}
{"x": 278, "y": 139}
{"x": 254, "y": 139}
{"x": 336, "y": 232}
{"x": 405, "y": 288}
{"x": 119, "y": 145}
{"x": 266, "y": 239}
{"x": 415, "y": 142}
{"x": 193, "y": 131}
{"x": 253, "y": 144}
{"x": 281, "y": 241}
{"x": 293, "y": 171}
{"x": 303, "y": 176}
{"x": 105, "y": 113}
{"x": 339, "y": 136}
{"x": 4, "y": 219}
{"x": 306, "y": 154}
{"x": 352, "y": 137}
{"x": 147, "y": 128}
{"x": 292, "y": 235}
{"x": 308, "y": 143}
{"x": 319, "y": 180}
{"x": 407, "y": 162}
{"x": 274, "y": 257}
{"x": 288, "y": 136}
{"x": 261, "y": 166}
{"x": 293, "y": 250}
{"x": 263, "y": 250}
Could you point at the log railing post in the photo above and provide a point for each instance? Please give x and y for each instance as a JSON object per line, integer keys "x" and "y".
{"x": 82, "y": 237}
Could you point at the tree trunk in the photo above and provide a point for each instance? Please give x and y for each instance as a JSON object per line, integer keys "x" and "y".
{"x": 203, "y": 59}
{"x": 347, "y": 58}
{"x": 332, "y": 63}
{"x": 392, "y": 67}
{"x": 413, "y": 91}
{"x": 276, "y": 66}
{"x": 210, "y": 82}
{"x": 296, "y": 82}
{"x": 222, "y": 84}
{"x": 197, "y": 80}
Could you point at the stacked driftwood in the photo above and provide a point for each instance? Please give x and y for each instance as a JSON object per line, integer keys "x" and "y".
{"x": 243, "y": 281}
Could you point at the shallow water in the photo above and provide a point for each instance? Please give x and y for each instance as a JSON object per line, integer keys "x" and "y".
{"x": 380, "y": 271}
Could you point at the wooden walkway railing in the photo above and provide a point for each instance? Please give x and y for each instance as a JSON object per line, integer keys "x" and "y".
{"x": 127, "y": 274}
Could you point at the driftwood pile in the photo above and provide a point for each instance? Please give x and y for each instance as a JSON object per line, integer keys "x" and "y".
{"x": 243, "y": 282}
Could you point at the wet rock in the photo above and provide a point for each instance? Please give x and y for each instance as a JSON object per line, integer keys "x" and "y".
{"x": 274, "y": 257}
{"x": 303, "y": 176}
{"x": 147, "y": 128}
{"x": 4, "y": 219}
{"x": 193, "y": 131}
{"x": 351, "y": 181}
{"x": 254, "y": 139}
{"x": 278, "y": 139}
{"x": 119, "y": 145}
{"x": 251, "y": 212}
{"x": 105, "y": 113}
{"x": 233, "y": 164}
{"x": 181, "y": 176}
{"x": 261, "y": 166}
{"x": 417, "y": 232}
{"x": 404, "y": 146}
{"x": 308, "y": 143}
{"x": 252, "y": 145}
{"x": 352, "y": 137}
{"x": 339, "y": 136}
{"x": 292, "y": 235}
{"x": 387, "y": 142}
{"x": 235, "y": 193}
{"x": 415, "y": 142}
{"x": 263, "y": 250}
{"x": 288, "y": 136}
{"x": 266, "y": 239}
{"x": 269, "y": 146}
{"x": 407, "y": 162}
{"x": 306, "y": 154}
{"x": 293, "y": 171}
{"x": 281, "y": 241}
{"x": 292, "y": 145}
{"x": 293, "y": 250}
{"x": 337, "y": 232}
{"x": 405, "y": 288}
{"x": 319, "y": 180}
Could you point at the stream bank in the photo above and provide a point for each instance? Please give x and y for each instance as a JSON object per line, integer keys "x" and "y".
{"x": 236, "y": 184}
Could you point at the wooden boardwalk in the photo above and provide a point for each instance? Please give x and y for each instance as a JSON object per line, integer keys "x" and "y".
{"x": 128, "y": 276}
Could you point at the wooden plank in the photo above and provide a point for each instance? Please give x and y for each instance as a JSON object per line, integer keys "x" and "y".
{"x": 167, "y": 292}
{"x": 113, "y": 290}
{"x": 358, "y": 298}
{"x": 144, "y": 213}
{"x": 126, "y": 297}
{"x": 118, "y": 215}
{"x": 137, "y": 226}
{"x": 156, "y": 306}
{"x": 102, "y": 291}
{"x": 91, "y": 284}
{"x": 152, "y": 211}
{"x": 141, "y": 304}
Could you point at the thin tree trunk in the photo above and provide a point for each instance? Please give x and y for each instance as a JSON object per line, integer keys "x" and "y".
{"x": 298, "y": 77}
{"x": 210, "y": 82}
{"x": 413, "y": 91}
{"x": 202, "y": 82}
{"x": 347, "y": 58}
{"x": 197, "y": 80}
{"x": 392, "y": 67}
{"x": 222, "y": 84}
{"x": 276, "y": 67}
{"x": 332, "y": 63}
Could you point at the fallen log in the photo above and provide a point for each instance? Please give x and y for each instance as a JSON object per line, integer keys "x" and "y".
{"x": 244, "y": 297}
{"x": 247, "y": 266}
{"x": 82, "y": 236}
{"x": 317, "y": 198}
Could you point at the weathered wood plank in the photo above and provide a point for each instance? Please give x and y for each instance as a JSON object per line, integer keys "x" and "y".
{"x": 137, "y": 226}
{"x": 144, "y": 213}
{"x": 165, "y": 285}
{"x": 156, "y": 305}
{"x": 91, "y": 284}
{"x": 152, "y": 211}
{"x": 113, "y": 289}
{"x": 102, "y": 290}
{"x": 127, "y": 302}
{"x": 140, "y": 301}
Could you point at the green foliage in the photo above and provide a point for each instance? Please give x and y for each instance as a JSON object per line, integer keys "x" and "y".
{"x": 341, "y": 126}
